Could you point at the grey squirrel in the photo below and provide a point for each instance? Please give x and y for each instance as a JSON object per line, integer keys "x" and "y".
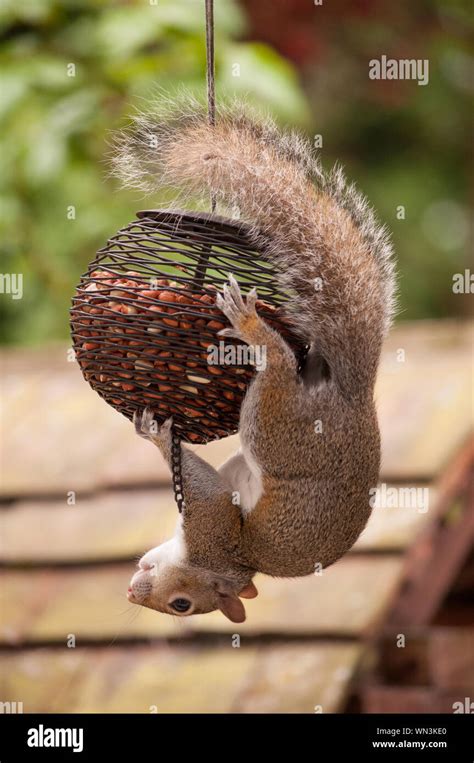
{"x": 310, "y": 446}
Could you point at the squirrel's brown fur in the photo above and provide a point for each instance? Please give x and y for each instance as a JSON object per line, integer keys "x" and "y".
{"x": 335, "y": 260}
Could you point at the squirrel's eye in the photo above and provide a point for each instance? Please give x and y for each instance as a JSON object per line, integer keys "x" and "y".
{"x": 180, "y": 605}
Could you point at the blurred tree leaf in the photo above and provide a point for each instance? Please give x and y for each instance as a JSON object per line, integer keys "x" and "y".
{"x": 258, "y": 72}
{"x": 58, "y": 204}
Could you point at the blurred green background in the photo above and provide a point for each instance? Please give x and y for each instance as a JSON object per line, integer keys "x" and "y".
{"x": 404, "y": 144}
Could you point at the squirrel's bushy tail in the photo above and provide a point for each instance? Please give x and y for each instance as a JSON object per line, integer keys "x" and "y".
{"x": 321, "y": 234}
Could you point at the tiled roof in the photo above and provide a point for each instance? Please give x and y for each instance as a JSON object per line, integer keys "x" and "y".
{"x": 83, "y": 497}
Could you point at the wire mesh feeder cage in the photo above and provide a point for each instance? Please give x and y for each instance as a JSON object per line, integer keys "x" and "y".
{"x": 144, "y": 320}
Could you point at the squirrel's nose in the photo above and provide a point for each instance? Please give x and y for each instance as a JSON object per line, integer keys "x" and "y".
{"x": 146, "y": 565}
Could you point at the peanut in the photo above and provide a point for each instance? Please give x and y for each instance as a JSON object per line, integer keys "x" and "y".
{"x": 171, "y": 322}
{"x": 167, "y": 296}
{"x": 188, "y": 388}
{"x": 215, "y": 325}
{"x": 143, "y": 365}
{"x": 191, "y": 412}
{"x": 199, "y": 379}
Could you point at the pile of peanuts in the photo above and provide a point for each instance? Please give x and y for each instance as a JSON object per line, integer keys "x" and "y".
{"x": 143, "y": 343}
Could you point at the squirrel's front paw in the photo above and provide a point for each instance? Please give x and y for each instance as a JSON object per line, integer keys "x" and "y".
{"x": 147, "y": 427}
{"x": 241, "y": 313}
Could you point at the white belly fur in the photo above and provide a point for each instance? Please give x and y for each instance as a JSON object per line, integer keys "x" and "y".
{"x": 244, "y": 476}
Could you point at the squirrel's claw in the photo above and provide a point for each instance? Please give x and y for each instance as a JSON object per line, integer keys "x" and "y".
{"x": 234, "y": 307}
{"x": 145, "y": 424}
{"x": 231, "y": 333}
{"x": 147, "y": 427}
{"x": 139, "y": 421}
{"x": 234, "y": 290}
{"x": 252, "y": 297}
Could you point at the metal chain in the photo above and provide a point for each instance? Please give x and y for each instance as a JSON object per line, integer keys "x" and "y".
{"x": 176, "y": 471}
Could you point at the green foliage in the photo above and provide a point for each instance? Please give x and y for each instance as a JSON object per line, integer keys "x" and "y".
{"x": 56, "y": 127}
{"x": 404, "y": 144}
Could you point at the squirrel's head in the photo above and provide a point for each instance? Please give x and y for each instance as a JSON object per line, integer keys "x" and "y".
{"x": 171, "y": 586}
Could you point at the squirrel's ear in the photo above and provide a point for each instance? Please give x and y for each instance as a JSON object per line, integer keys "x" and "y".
{"x": 249, "y": 591}
{"x": 232, "y": 607}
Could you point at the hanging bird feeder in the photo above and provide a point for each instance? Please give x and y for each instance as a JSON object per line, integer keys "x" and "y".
{"x": 145, "y": 324}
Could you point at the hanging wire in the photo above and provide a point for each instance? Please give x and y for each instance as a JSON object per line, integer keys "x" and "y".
{"x": 211, "y": 83}
{"x": 176, "y": 452}
{"x": 211, "y": 73}
{"x": 201, "y": 267}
